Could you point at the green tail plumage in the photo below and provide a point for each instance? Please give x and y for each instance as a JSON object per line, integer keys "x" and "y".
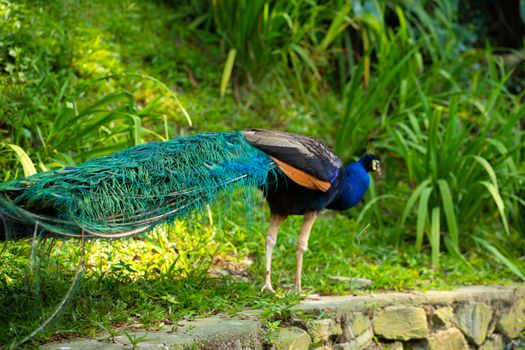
{"x": 133, "y": 190}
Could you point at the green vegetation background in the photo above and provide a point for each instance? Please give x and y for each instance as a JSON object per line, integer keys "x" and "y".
{"x": 438, "y": 84}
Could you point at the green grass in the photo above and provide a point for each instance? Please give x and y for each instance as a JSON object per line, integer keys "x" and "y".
{"x": 194, "y": 269}
{"x": 81, "y": 79}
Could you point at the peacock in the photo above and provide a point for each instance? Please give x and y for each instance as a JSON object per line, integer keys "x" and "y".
{"x": 134, "y": 190}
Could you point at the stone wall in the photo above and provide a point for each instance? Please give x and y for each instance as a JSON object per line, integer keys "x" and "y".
{"x": 468, "y": 318}
{"x": 484, "y": 318}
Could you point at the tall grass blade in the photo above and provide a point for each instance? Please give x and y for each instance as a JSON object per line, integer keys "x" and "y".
{"x": 370, "y": 204}
{"x": 27, "y": 164}
{"x": 422, "y": 216}
{"x": 106, "y": 101}
{"x": 227, "y": 72}
{"x": 502, "y": 258}
{"x": 454, "y": 251}
{"x": 337, "y": 26}
{"x": 306, "y": 59}
{"x": 448, "y": 207}
{"x": 366, "y": 57}
{"x": 494, "y": 192}
{"x": 160, "y": 84}
{"x": 137, "y": 130}
{"x": 485, "y": 164}
{"x": 412, "y": 200}
{"x": 435, "y": 231}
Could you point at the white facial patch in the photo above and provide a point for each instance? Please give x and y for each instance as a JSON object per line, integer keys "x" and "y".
{"x": 375, "y": 165}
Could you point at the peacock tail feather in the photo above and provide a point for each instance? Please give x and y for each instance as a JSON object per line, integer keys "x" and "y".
{"x": 136, "y": 189}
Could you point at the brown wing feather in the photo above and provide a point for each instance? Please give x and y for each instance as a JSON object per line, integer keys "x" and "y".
{"x": 303, "y": 153}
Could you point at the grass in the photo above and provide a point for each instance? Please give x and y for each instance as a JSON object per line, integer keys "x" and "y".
{"x": 194, "y": 269}
{"x": 80, "y": 79}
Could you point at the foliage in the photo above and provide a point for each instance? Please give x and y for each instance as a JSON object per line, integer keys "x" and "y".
{"x": 426, "y": 115}
{"x": 418, "y": 84}
{"x": 45, "y": 78}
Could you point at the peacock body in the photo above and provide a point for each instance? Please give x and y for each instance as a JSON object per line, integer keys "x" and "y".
{"x": 138, "y": 188}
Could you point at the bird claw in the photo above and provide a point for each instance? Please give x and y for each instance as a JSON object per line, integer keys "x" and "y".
{"x": 268, "y": 287}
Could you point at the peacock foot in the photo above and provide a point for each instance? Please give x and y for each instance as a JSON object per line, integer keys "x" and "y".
{"x": 268, "y": 287}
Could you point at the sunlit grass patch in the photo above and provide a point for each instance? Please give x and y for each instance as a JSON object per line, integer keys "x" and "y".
{"x": 171, "y": 252}
{"x": 95, "y": 56}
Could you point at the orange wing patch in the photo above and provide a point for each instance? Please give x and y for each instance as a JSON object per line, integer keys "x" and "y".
{"x": 303, "y": 178}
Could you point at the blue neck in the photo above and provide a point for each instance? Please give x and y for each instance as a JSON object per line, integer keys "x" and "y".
{"x": 355, "y": 186}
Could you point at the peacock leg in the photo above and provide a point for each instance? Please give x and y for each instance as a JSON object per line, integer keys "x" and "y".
{"x": 271, "y": 238}
{"x": 302, "y": 245}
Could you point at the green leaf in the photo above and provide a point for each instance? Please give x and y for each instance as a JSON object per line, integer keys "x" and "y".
{"x": 369, "y": 205}
{"x": 435, "y": 235}
{"x": 454, "y": 251}
{"x": 448, "y": 206}
{"x": 403, "y": 28}
{"x": 106, "y": 101}
{"x": 422, "y": 216}
{"x": 227, "y": 72}
{"x": 337, "y": 26}
{"x": 413, "y": 198}
{"x": 159, "y": 83}
{"x": 306, "y": 59}
{"x": 485, "y": 164}
{"x": 494, "y": 192}
{"x": 85, "y": 130}
{"x": 502, "y": 258}
{"x": 137, "y": 128}
{"x": 27, "y": 163}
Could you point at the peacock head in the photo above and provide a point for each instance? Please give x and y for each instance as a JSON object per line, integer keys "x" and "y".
{"x": 371, "y": 163}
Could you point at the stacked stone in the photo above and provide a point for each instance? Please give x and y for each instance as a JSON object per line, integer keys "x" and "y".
{"x": 464, "y": 325}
